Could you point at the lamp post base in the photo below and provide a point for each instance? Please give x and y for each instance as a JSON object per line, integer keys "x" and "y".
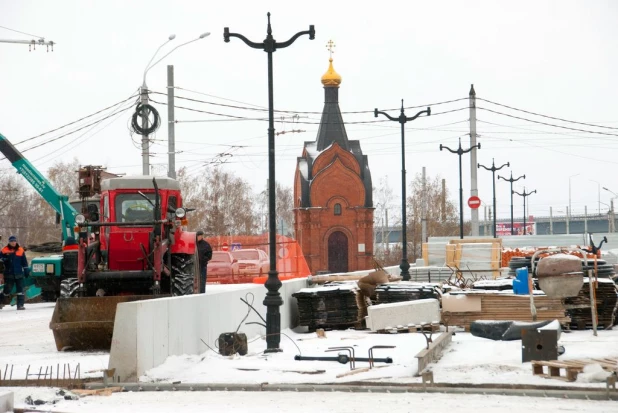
{"x": 405, "y": 267}
{"x": 273, "y": 302}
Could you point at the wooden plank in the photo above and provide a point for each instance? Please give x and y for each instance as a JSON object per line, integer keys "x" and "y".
{"x": 426, "y": 356}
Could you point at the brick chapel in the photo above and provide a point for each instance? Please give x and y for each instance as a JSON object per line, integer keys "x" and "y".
{"x": 333, "y": 203}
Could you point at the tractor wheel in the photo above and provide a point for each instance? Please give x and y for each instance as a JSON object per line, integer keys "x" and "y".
{"x": 68, "y": 287}
{"x": 183, "y": 273}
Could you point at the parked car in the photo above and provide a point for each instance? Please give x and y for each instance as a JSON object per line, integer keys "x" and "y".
{"x": 222, "y": 268}
{"x": 252, "y": 261}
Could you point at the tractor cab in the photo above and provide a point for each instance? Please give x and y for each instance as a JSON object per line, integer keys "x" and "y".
{"x": 131, "y": 202}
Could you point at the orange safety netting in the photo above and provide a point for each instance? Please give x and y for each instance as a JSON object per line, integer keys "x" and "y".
{"x": 291, "y": 261}
{"x": 507, "y": 254}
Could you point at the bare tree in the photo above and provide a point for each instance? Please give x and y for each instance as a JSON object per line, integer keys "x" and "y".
{"x": 223, "y": 203}
{"x": 442, "y": 213}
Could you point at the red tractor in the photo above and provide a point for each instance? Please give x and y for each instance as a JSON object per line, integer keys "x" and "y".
{"x": 133, "y": 247}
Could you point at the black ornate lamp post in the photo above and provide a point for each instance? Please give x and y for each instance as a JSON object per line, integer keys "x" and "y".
{"x": 273, "y": 298}
{"x": 402, "y": 119}
{"x": 511, "y": 180}
{"x": 460, "y": 152}
{"x": 493, "y": 170}
{"x": 524, "y": 195}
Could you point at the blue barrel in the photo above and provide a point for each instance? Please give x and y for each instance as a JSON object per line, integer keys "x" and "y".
{"x": 520, "y": 283}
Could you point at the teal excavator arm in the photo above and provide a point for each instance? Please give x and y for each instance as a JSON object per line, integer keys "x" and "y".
{"x": 60, "y": 203}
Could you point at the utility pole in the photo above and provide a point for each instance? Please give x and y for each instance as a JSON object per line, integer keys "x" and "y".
{"x": 525, "y": 194}
{"x": 511, "y": 180}
{"x": 493, "y": 170}
{"x": 403, "y": 119}
{"x": 424, "y": 211}
{"x": 460, "y": 152}
{"x": 474, "y": 213}
{"x": 171, "y": 124}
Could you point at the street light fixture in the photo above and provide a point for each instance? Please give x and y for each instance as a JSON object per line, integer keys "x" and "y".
{"x": 402, "y": 119}
{"x": 493, "y": 170}
{"x": 460, "y": 152}
{"x": 511, "y": 180}
{"x": 524, "y": 195}
{"x": 144, "y": 108}
{"x": 273, "y": 300}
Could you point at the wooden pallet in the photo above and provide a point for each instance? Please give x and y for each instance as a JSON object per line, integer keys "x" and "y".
{"x": 433, "y": 327}
{"x": 570, "y": 368}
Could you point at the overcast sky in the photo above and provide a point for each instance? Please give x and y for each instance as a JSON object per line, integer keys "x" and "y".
{"x": 555, "y": 58}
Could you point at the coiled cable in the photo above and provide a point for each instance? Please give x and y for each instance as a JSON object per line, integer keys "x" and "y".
{"x": 144, "y": 109}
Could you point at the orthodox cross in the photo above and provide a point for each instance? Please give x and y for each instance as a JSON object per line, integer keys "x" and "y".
{"x": 331, "y": 48}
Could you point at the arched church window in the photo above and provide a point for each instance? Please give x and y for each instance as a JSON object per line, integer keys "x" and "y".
{"x": 337, "y": 209}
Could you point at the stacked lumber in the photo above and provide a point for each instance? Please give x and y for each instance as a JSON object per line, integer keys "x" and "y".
{"x": 335, "y": 306}
{"x": 505, "y": 306}
{"x": 579, "y": 309}
{"x": 405, "y": 291}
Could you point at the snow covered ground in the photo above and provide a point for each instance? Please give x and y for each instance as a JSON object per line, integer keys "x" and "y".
{"x": 26, "y": 340}
{"x": 335, "y": 402}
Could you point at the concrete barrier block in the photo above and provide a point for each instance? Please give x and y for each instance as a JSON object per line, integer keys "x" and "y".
{"x": 385, "y": 316}
{"x": 147, "y": 332}
{"x": 123, "y": 352}
{"x": 6, "y": 401}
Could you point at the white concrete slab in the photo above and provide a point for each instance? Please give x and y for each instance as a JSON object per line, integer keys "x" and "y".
{"x": 407, "y": 313}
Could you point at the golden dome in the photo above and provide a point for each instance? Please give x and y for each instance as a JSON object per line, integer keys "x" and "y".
{"x": 331, "y": 78}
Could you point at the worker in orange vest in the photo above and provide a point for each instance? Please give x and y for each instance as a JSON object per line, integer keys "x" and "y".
{"x": 15, "y": 268}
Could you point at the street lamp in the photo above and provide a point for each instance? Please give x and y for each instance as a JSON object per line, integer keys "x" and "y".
{"x": 402, "y": 119}
{"x": 144, "y": 108}
{"x": 493, "y": 170}
{"x": 612, "y": 219}
{"x": 511, "y": 180}
{"x": 273, "y": 300}
{"x": 524, "y": 195}
{"x": 460, "y": 152}
{"x": 598, "y": 193}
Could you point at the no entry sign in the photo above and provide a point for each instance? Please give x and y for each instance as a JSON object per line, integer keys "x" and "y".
{"x": 474, "y": 202}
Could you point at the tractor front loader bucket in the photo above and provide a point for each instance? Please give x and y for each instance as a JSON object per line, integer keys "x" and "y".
{"x": 87, "y": 323}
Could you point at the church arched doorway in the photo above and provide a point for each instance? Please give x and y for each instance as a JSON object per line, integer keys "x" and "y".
{"x": 338, "y": 252}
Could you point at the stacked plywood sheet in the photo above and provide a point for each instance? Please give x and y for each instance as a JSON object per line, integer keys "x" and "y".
{"x": 334, "y": 306}
{"x": 490, "y": 305}
{"x": 579, "y": 307}
{"x": 405, "y": 291}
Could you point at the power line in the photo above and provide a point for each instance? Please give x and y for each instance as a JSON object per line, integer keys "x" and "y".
{"x": 545, "y": 123}
{"x": 552, "y": 150}
{"x": 75, "y": 131}
{"x": 78, "y": 120}
{"x": 243, "y": 118}
{"x": 17, "y": 31}
{"x": 547, "y": 116}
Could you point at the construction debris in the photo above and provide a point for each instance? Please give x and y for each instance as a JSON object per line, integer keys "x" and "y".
{"x": 578, "y": 308}
{"x": 507, "y": 307}
{"x": 336, "y": 306}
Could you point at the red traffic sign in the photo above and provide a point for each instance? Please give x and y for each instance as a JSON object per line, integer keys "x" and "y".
{"x": 474, "y": 202}
{"x": 225, "y": 247}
